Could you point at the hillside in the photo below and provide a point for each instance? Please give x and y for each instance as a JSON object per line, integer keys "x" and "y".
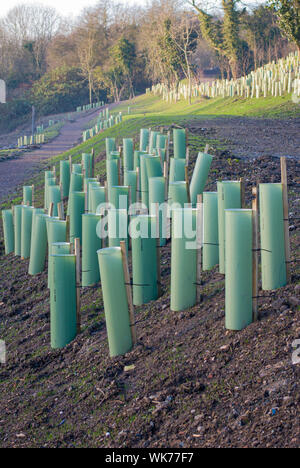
{"x": 192, "y": 384}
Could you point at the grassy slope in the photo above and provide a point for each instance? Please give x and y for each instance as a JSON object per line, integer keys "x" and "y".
{"x": 183, "y": 384}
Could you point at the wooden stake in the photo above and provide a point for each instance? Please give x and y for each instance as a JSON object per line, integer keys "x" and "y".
{"x": 199, "y": 232}
{"x": 33, "y": 201}
{"x": 187, "y": 156}
{"x": 160, "y": 157}
{"x": 86, "y": 202}
{"x": 129, "y": 293}
{"x": 158, "y": 266}
{"x": 77, "y": 254}
{"x": 187, "y": 182}
{"x": 168, "y": 147}
{"x": 166, "y": 176}
{"x": 186, "y": 137}
{"x": 119, "y": 170}
{"x": 93, "y": 163}
{"x": 255, "y": 254}
{"x": 68, "y": 228}
{"x": 206, "y": 149}
{"x": 50, "y": 211}
{"x": 61, "y": 191}
{"x": 60, "y": 209}
{"x": 287, "y": 245}
{"x": 54, "y": 172}
{"x": 137, "y": 184}
{"x": 242, "y": 193}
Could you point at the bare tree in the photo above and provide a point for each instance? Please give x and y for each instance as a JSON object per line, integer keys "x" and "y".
{"x": 33, "y": 24}
{"x": 185, "y": 38}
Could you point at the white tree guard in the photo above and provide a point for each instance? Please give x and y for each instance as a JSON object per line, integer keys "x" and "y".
{"x": 2, "y": 92}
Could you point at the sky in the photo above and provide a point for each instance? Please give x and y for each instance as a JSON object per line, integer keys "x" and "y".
{"x": 64, "y": 7}
{"x": 73, "y": 7}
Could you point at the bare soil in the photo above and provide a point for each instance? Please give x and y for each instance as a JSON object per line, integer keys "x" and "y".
{"x": 253, "y": 137}
{"x": 193, "y": 384}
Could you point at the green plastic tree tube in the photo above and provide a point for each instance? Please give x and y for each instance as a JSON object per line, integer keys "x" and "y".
{"x": 18, "y": 228}
{"x": 144, "y": 260}
{"x": 229, "y": 197}
{"x": 115, "y": 301}
{"x": 136, "y": 158}
{"x": 77, "y": 168}
{"x": 273, "y": 259}
{"x": 91, "y": 243}
{"x": 177, "y": 170}
{"x": 112, "y": 172}
{"x": 117, "y": 227}
{"x": 183, "y": 259}
{"x": 38, "y": 249}
{"x": 87, "y": 164}
{"x": 238, "y": 278}
{"x": 200, "y": 175}
{"x": 110, "y": 145}
{"x": 76, "y": 182}
{"x": 63, "y": 323}
{"x": 130, "y": 180}
{"x": 88, "y": 183}
{"x": 27, "y": 195}
{"x": 154, "y": 168}
{"x": 96, "y": 198}
{"x": 90, "y": 187}
{"x": 56, "y": 232}
{"x": 27, "y": 212}
{"x": 76, "y": 185}
{"x": 54, "y": 196}
{"x": 178, "y": 193}
{"x": 152, "y": 141}
{"x": 65, "y": 177}
{"x": 49, "y": 182}
{"x": 77, "y": 208}
{"x": 8, "y": 228}
{"x": 179, "y": 143}
{"x": 157, "y": 196}
{"x": 161, "y": 141}
{"x": 114, "y": 155}
{"x": 210, "y": 249}
{"x": 57, "y": 248}
{"x": 144, "y": 179}
{"x": 144, "y": 139}
{"x": 128, "y": 153}
{"x": 119, "y": 197}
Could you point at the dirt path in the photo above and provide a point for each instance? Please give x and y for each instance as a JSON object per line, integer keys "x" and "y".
{"x": 13, "y": 172}
{"x": 252, "y": 137}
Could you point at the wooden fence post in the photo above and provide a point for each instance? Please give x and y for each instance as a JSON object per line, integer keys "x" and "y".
{"x": 50, "y": 211}
{"x": 33, "y": 200}
{"x": 78, "y": 305}
{"x": 158, "y": 267}
{"x": 187, "y": 182}
{"x": 199, "y": 234}
{"x": 286, "y": 218}
{"x": 255, "y": 254}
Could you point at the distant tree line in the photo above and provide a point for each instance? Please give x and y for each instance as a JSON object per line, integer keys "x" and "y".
{"x": 113, "y": 52}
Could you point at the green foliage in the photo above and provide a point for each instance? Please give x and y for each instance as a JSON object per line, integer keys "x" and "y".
{"x": 170, "y": 56}
{"x": 60, "y": 90}
{"x": 288, "y": 14}
{"x": 224, "y": 36}
{"x": 13, "y": 113}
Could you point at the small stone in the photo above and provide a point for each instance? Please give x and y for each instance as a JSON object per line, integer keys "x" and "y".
{"x": 293, "y": 301}
{"x": 225, "y": 348}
